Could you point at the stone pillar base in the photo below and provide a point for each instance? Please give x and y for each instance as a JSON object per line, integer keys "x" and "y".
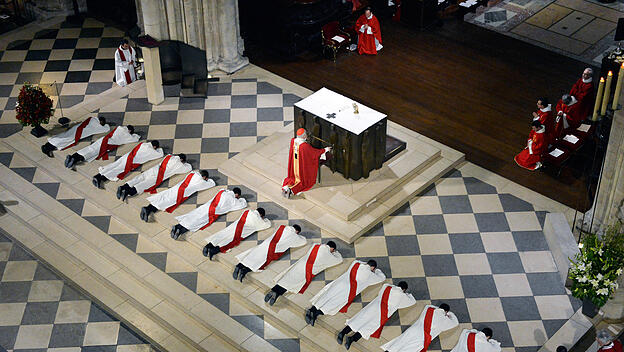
{"x": 232, "y": 66}
{"x": 153, "y": 75}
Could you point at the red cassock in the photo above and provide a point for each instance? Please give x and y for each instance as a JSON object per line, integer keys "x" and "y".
{"x": 584, "y": 93}
{"x": 536, "y": 146}
{"x": 303, "y": 163}
{"x": 615, "y": 347}
{"x": 573, "y": 114}
{"x": 366, "y": 42}
{"x": 547, "y": 119}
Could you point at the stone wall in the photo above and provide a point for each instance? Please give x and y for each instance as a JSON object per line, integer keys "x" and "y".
{"x": 45, "y": 9}
{"x": 212, "y": 26}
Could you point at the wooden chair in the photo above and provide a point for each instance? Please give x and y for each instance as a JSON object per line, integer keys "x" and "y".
{"x": 330, "y": 31}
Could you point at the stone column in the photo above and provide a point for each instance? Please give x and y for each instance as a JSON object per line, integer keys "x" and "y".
{"x": 153, "y": 75}
{"x": 173, "y": 14}
{"x": 152, "y": 15}
{"x": 211, "y": 38}
{"x": 231, "y": 59}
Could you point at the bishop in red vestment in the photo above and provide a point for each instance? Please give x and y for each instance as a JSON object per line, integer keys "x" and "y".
{"x": 303, "y": 163}
{"x": 544, "y": 115}
{"x": 369, "y": 33}
{"x": 570, "y": 109}
{"x": 583, "y": 91}
{"x": 530, "y": 157}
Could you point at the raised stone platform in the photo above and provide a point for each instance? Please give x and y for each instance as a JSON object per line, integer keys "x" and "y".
{"x": 345, "y": 207}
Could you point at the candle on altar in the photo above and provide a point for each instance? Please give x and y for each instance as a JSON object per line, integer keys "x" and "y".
{"x": 607, "y": 94}
{"x": 598, "y": 99}
{"x": 618, "y": 88}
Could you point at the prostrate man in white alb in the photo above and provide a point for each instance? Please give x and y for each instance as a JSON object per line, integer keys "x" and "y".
{"x": 198, "y": 219}
{"x": 118, "y": 169}
{"x": 71, "y": 137}
{"x": 149, "y": 180}
{"x": 249, "y": 222}
{"x": 369, "y": 322}
{"x": 337, "y": 295}
{"x": 432, "y": 321}
{"x": 472, "y": 340}
{"x": 170, "y": 199}
{"x": 259, "y": 257}
{"x": 298, "y": 276}
{"x": 99, "y": 149}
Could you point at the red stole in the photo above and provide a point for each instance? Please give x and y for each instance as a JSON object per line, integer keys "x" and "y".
{"x": 271, "y": 254}
{"x": 212, "y": 217}
{"x": 384, "y": 312}
{"x": 130, "y": 165}
{"x": 352, "y": 287}
{"x": 78, "y": 134}
{"x": 160, "y": 176}
{"x": 105, "y": 147}
{"x": 238, "y": 233}
{"x": 427, "y": 328}
{"x": 123, "y": 58}
{"x": 181, "y": 198}
{"x": 308, "y": 269}
{"x": 471, "y": 342}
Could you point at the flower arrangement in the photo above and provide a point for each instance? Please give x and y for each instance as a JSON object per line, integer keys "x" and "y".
{"x": 595, "y": 270}
{"x": 33, "y": 106}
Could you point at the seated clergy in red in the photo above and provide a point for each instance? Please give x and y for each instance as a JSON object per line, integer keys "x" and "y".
{"x": 544, "y": 115}
{"x": 569, "y": 108}
{"x": 369, "y": 321}
{"x": 259, "y": 257}
{"x": 606, "y": 342}
{"x": 583, "y": 91}
{"x": 530, "y": 157}
{"x": 432, "y": 321}
{"x": 117, "y": 170}
{"x": 369, "y": 33}
{"x": 249, "y": 222}
{"x": 303, "y": 163}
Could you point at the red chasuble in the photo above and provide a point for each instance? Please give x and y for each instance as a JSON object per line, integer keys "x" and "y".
{"x": 547, "y": 119}
{"x": 529, "y": 157}
{"x": 427, "y": 328}
{"x": 303, "y": 163}
{"x": 238, "y": 233}
{"x": 160, "y": 176}
{"x": 105, "y": 147}
{"x": 181, "y": 198}
{"x": 384, "y": 312}
{"x": 271, "y": 254}
{"x": 78, "y": 134}
{"x": 308, "y": 269}
{"x": 130, "y": 165}
{"x": 584, "y": 93}
{"x": 471, "y": 341}
{"x": 352, "y": 287}
{"x": 573, "y": 112}
{"x": 366, "y": 42}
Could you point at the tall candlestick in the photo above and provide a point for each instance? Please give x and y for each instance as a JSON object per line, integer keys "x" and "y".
{"x": 607, "y": 94}
{"x": 598, "y": 99}
{"x": 618, "y": 88}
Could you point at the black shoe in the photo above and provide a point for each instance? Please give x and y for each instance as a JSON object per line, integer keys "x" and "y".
{"x": 308, "y": 316}
{"x": 340, "y": 338}
{"x": 95, "y": 182}
{"x": 211, "y": 254}
{"x": 124, "y": 195}
{"x": 67, "y": 161}
{"x": 144, "y": 214}
{"x": 242, "y": 275}
{"x": 119, "y": 191}
{"x": 273, "y": 299}
{"x": 205, "y": 251}
{"x": 268, "y": 296}
{"x": 348, "y": 342}
{"x": 313, "y": 320}
{"x": 236, "y": 272}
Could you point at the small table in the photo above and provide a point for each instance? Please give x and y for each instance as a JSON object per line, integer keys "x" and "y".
{"x": 358, "y": 140}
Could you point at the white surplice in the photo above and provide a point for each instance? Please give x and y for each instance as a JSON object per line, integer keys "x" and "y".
{"x": 165, "y": 199}
{"x": 335, "y": 295}
{"x": 294, "y": 278}
{"x": 197, "y": 218}
{"x": 120, "y": 136}
{"x": 254, "y": 222}
{"x": 255, "y": 257}
{"x": 68, "y": 137}
{"x": 482, "y": 344}
{"x": 148, "y": 177}
{"x": 366, "y": 321}
{"x": 413, "y": 339}
{"x": 122, "y": 66}
{"x": 145, "y": 153}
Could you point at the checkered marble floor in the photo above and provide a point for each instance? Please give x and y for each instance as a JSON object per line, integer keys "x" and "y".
{"x": 39, "y": 311}
{"x": 462, "y": 241}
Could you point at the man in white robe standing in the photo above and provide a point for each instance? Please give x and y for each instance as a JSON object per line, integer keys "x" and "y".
{"x": 119, "y": 169}
{"x": 125, "y": 59}
{"x": 472, "y": 340}
{"x": 249, "y": 222}
{"x": 259, "y": 257}
{"x": 99, "y": 149}
{"x": 298, "y": 276}
{"x": 369, "y": 322}
{"x": 71, "y": 137}
{"x": 171, "y": 198}
{"x": 150, "y": 179}
{"x": 198, "y": 219}
{"x": 432, "y": 321}
{"x": 337, "y": 295}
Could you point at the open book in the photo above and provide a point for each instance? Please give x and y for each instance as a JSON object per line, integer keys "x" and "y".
{"x": 556, "y": 153}
{"x": 584, "y": 128}
{"x": 571, "y": 138}
{"x": 338, "y": 38}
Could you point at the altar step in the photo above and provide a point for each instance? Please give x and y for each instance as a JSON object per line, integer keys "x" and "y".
{"x": 345, "y": 208}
